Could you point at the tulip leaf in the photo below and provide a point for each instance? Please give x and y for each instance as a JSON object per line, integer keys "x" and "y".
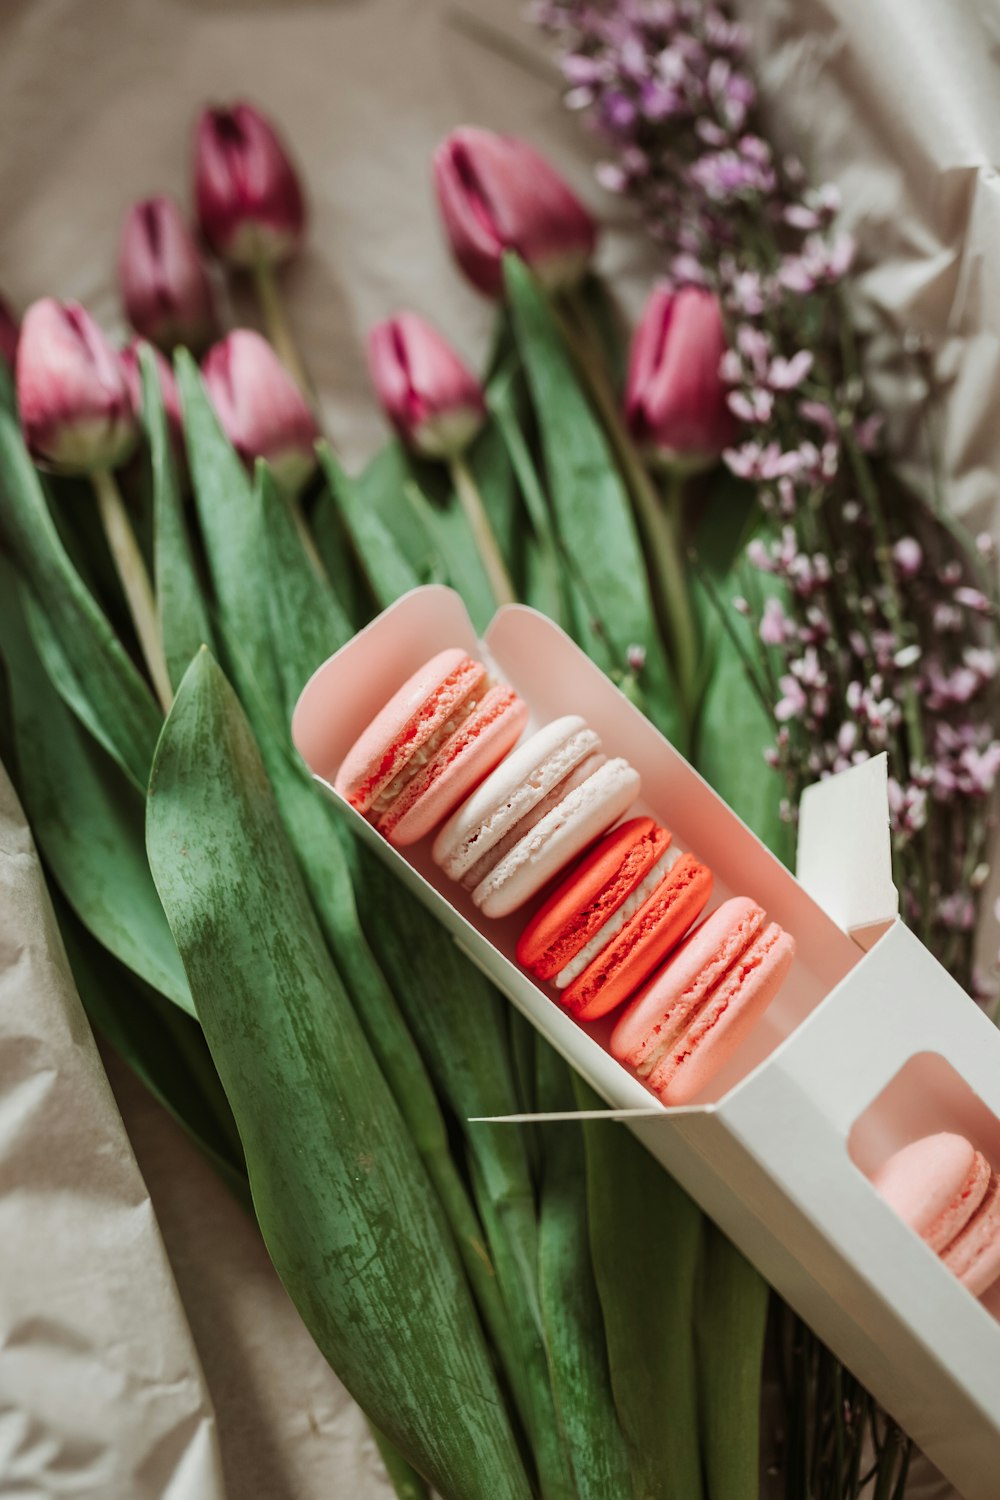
{"x": 87, "y": 819}
{"x": 387, "y": 569}
{"x": 85, "y": 660}
{"x": 230, "y": 525}
{"x": 180, "y": 599}
{"x": 381, "y": 485}
{"x": 645, "y": 1234}
{"x": 334, "y": 545}
{"x": 345, "y": 1208}
{"x": 307, "y": 623}
{"x": 730, "y": 1326}
{"x": 592, "y": 512}
{"x": 452, "y": 540}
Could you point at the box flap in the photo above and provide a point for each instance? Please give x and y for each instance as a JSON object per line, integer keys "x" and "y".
{"x": 844, "y": 854}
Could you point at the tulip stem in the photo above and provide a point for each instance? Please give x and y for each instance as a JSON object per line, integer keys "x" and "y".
{"x": 482, "y": 532}
{"x": 134, "y": 580}
{"x": 660, "y": 518}
{"x": 279, "y": 330}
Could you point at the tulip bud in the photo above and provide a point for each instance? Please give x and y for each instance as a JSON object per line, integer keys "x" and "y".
{"x": 431, "y": 398}
{"x": 675, "y": 402}
{"x": 250, "y": 203}
{"x": 497, "y": 193}
{"x": 165, "y": 289}
{"x": 71, "y": 392}
{"x": 9, "y": 334}
{"x": 261, "y": 409}
{"x": 168, "y": 389}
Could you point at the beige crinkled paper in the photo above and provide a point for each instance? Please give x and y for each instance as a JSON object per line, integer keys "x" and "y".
{"x": 101, "y": 1391}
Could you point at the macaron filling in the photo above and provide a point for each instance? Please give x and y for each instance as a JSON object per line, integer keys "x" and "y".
{"x": 426, "y": 750}
{"x": 613, "y": 926}
{"x": 542, "y": 808}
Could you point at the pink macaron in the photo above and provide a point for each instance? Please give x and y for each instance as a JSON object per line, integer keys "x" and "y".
{"x": 694, "y": 1013}
{"x": 445, "y": 729}
{"x": 947, "y": 1191}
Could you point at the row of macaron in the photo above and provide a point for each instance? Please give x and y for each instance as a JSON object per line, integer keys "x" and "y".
{"x": 443, "y": 756}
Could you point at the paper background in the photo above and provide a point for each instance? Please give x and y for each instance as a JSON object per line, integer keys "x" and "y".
{"x": 896, "y": 100}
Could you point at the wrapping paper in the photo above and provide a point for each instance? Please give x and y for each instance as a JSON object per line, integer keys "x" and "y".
{"x": 894, "y": 100}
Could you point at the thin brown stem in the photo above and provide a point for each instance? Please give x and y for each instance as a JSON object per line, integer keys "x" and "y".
{"x": 472, "y": 505}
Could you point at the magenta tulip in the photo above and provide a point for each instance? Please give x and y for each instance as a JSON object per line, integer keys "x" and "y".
{"x": 675, "y": 403}
{"x": 261, "y": 409}
{"x": 9, "y": 333}
{"x": 168, "y": 389}
{"x": 250, "y": 202}
{"x": 71, "y": 391}
{"x": 431, "y": 398}
{"x": 165, "y": 288}
{"x": 497, "y": 193}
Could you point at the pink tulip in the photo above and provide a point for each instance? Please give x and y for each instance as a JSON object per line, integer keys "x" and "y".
{"x": 675, "y": 403}
{"x": 9, "y": 333}
{"x": 262, "y": 410}
{"x": 165, "y": 289}
{"x": 71, "y": 392}
{"x": 250, "y": 202}
{"x": 496, "y": 193}
{"x": 168, "y": 389}
{"x": 432, "y": 399}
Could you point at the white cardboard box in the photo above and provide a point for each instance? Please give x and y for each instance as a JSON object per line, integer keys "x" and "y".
{"x": 869, "y": 1044}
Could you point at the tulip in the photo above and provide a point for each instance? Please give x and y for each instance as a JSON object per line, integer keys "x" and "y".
{"x": 261, "y": 409}
{"x": 71, "y": 392}
{"x": 168, "y": 390}
{"x": 675, "y": 402}
{"x": 165, "y": 288}
{"x": 250, "y": 203}
{"x": 432, "y": 399}
{"x": 496, "y": 193}
{"x": 9, "y": 334}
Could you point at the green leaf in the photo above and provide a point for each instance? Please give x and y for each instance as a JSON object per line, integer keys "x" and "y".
{"x": 645, "y": 1235}
{"x": 180, "y": 602}
{"x": 229, "y": 517}
{"x": 84, "y": 658}
{"x": 730, "y": 1327}
{"x": 387, "y": 570}
{"x": 346, "y": 1211}
{"x": 307, "y": 623}
{"x": 452, "y": 540}
{"x": 592, "y": 511}
{"x": 336, "y": 550}
{"x": 87, "y": 818}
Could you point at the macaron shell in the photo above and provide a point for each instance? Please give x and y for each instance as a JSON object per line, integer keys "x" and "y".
{"x": 595, "y": 890}
{"x": 974, "y": 1254}
{"x": 932, "y": 1184}
{"x": 552, "y": 799}
{"x": 412, "y": 716}
{"x": 671, "y": 1000}
{"x": 514, "y": 787}
{"x": 655, "y": 929}
{"x": 480, "y": 743}
{"x": 733, "y": 1009}
{"x": 561, "y": 835}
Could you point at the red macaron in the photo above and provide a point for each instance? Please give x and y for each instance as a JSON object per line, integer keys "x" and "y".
{"x": 619, "y": 914}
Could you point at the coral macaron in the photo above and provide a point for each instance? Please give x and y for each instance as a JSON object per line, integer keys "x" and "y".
{"x": 623, "y": 909}
{"x": 445, "y": 729}
{"x": 692, "y": 1016}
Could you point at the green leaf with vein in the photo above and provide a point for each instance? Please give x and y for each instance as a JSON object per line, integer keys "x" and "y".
{"x": 180, "y": 597}
{"x": 345, "y": 1208}
{"x": 592, "y": 512}
{"x": 731, "y": 1321}
{"x": 387, "y": 569}
{"x": 90, "y": 668}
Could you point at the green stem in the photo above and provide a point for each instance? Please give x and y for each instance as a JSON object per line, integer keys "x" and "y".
{"x": 134, "y": 578}
{"x": 279, "y": 330}
{"x": 472, "y": 505}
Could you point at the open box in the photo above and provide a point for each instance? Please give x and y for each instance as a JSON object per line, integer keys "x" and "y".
{"x": 869, "y": 1044}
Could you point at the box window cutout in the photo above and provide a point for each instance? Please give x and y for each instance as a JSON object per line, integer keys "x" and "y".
{"x": 926, "y": 1096}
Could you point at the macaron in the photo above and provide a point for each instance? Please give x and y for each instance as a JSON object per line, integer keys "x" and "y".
{"x": 622, "y": 910}
{"x": 694, "y": 1013}
{"x": 437, "y": 737}
{"x": 536, "y": 812}
{"x": 947, "y": 1191}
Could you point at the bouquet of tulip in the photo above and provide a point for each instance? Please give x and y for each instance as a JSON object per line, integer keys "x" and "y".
{"x": 539, "y": 1311}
